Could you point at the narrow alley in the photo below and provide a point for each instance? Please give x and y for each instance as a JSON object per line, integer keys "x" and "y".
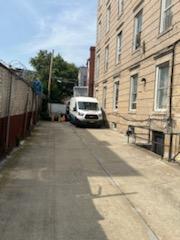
{"x": 69, "y": 183}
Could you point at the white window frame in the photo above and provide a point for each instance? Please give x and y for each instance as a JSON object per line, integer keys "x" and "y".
{"x": 120, "y": 7}
{"x": 164, "y": 11}
{"x": 104, "y": 99}
{"x": 108, "y": 18}
{"x": 116, "y": 94}
{"x": 137, "y": 30}
{"x": 157, "y": 88}
{"x": 118, "y": 47}
{"x": 133, "y": 92}
{"x": 106, "y": 60}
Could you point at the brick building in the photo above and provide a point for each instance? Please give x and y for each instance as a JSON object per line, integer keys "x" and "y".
{"x": 137, "y": 77}
{"x": 90, "y": 71}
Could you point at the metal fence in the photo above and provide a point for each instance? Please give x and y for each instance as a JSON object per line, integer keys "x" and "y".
{"x": 19, "y": 107}
{"x": 155, "y": 141}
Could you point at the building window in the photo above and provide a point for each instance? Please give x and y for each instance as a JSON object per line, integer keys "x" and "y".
{"x": 162, "y": 81}
{"x": 108, "y": 16}
{"x": 114, "y": 125}
{"x": 133, "y": 93}
{"x": 97, "y": 66}
{"x": 104, "y": 102}
{"x": 166, "y": 15}
{"x": 137, "y": 30}
{"x": 118, "y": 47}
{"x": 116, "y": 95}
{"x": 99, "y": 32}
{"x": 120, "y": 6}
{"x": 106, "y": 58}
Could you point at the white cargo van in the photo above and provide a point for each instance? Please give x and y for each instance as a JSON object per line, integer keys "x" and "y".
{"x": 85, "y": 111}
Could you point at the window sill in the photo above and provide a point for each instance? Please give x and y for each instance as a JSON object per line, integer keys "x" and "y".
{"x": 135, "y": 51}
{"x": 132, "y": 112}
{"x": 117, "y": 64}
{"x": 115, "y": 110}
{"x": 98, "y": 48}
{"x": 165, "y": 32}
{"x": 159, "y": 112}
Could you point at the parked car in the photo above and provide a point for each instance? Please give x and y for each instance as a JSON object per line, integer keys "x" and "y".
{"x": 85, "y": 111}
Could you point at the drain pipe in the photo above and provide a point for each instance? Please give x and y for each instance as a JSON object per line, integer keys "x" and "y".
{"x": 9, "y": 114}
{"x": 170, "y": 100}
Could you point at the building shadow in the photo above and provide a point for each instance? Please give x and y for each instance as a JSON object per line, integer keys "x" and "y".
{"x": 45, "y": 189}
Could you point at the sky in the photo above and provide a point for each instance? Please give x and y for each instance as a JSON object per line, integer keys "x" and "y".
{"x": 67, "y": 26}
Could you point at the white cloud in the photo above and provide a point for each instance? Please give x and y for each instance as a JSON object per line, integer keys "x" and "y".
{"x": 71, "y": 31}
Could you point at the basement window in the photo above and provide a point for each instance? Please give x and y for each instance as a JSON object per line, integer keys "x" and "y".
{"x": 114, "y": 125}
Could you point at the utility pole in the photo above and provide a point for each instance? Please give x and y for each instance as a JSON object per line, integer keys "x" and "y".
{"x": 50, "y": 75}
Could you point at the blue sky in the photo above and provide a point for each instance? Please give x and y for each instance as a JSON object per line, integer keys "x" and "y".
{"x": 67, "y": 26}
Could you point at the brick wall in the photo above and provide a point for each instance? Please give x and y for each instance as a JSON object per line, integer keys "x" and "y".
{"x": 90, "y": 70}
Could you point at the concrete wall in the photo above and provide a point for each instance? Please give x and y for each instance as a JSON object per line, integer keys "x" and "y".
{"x": 154, "y": 50}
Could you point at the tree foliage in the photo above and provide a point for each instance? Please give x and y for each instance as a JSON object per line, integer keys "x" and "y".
{"x": 64, "y": 75}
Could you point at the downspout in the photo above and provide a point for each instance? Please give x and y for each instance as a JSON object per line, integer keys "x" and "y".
{"x": 9, "y": 113}
{"x": 170, "y": 100}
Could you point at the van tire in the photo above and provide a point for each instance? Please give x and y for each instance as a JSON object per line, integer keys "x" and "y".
{"x": 76, "y": 122}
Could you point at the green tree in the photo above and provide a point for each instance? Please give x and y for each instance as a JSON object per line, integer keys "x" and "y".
{"x": 64, "y": 75}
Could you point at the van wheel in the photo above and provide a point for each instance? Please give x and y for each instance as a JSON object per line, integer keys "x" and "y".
{"x": 76, "y": 123}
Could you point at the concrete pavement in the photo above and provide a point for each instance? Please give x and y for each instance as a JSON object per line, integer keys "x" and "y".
{"x": 68, "y": 183}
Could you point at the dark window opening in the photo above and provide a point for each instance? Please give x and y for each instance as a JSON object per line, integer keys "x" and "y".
{"x": 158, "y": 143}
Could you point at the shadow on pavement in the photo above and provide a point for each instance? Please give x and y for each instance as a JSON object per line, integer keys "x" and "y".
{"x": 45, "y": 191}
